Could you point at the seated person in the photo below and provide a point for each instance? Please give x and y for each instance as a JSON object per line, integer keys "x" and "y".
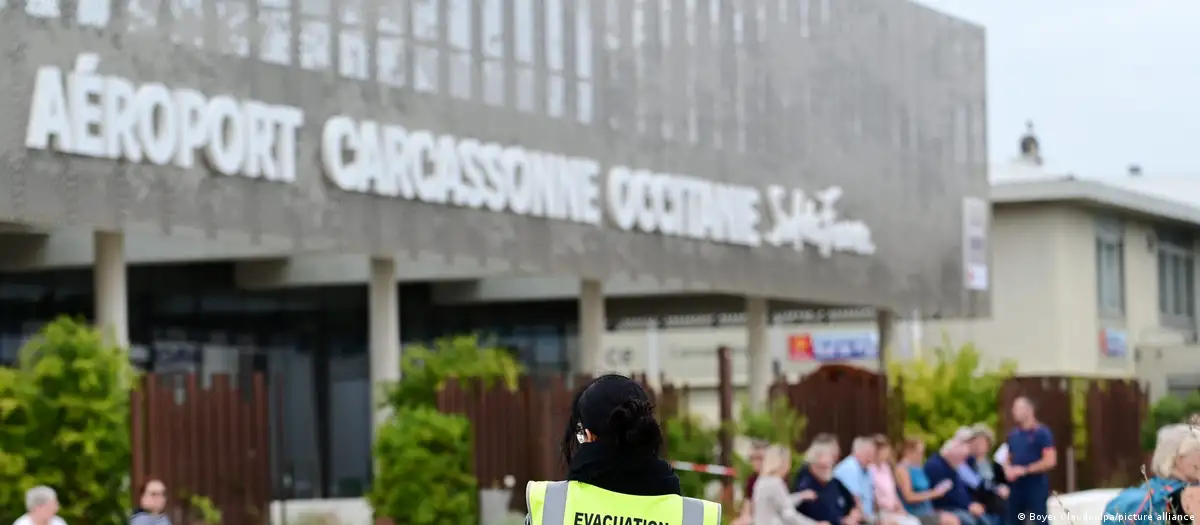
{"x": 992, "y": 488}
{"x": 916, "y": 492}
{"x": 853, "y": 474}
{"x": 1174, "y": 485}
{"x": 943, "y": 466}
{"x": 833, "y": 503}
{"x": 824, "y": 439}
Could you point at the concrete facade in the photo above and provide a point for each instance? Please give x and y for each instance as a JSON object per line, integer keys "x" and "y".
{"x": 1048, "y": 314}
{"x": 882, "y": 99}
{"x": 211, "y": 262}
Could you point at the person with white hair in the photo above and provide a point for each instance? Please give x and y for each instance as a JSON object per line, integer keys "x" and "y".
{"x": 1167, "y": 495}
{"x": 853, "y": 474}
{"x": 943, "y": 467}
{"x": 833, "y": 503}
{"x": 41, "y": 507}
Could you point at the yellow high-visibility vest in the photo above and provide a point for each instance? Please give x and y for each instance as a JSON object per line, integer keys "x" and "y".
{"x": 575, "y": 503}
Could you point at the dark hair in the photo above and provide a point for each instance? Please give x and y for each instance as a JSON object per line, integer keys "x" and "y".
{"x": 146, "y": 484}
{"x": 618, "y": 412}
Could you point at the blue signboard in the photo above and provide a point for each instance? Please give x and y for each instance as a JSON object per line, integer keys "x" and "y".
{"x": 1114, "y": 343}
{"x": 833, "y": 346}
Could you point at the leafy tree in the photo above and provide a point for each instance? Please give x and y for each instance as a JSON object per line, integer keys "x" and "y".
{"x": 425, "y": 369}
{"x": 12, "y": 462}
{"x": 203, "y": 510}
{"x": 65, "y": 413}
{"x": 948, "y": 389}
{"x": 424, "y": 458}
{"x": 1168, "y": 410}
{"x": 690, "y": 440}
{"x": 425, "y": 475}
{"x": 779, "y": 424}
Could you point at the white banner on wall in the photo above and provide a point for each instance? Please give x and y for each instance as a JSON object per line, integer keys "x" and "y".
{"x": 976, "y": 218}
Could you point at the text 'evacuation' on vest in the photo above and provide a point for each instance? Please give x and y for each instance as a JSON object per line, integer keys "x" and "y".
{"x": 591, "y": 518}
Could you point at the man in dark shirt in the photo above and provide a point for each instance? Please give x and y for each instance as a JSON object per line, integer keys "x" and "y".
{"x": 833, "y": 504}
{"x": 1031, "y": 455}
{"x": 943, "y": 468}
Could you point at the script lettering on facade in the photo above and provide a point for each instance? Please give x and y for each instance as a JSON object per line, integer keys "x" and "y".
{"x": 93, "y": 115}
{"x": 800, "y": 220}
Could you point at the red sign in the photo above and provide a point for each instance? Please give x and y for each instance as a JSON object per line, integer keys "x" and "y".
{"x": 800, "y": 347}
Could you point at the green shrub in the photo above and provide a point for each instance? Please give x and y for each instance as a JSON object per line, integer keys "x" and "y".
{"x": 423, "y": 457}
{"x": 1167, "y": 411}
{"x": 946, "y": 390}
{"x": 424, "y": 474}
{"x": 1079, "y": 408}
{"x": 12, "y": 462}
{"x": 425, "y": 369}
{"x": 203, "y": 509}
{"x": 690, "y": 440}
{"x": 779, "y": 424}
{"x": 65, "y": 413}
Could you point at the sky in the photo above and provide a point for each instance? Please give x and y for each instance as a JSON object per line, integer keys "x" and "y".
{"x": 1107, "y": 83}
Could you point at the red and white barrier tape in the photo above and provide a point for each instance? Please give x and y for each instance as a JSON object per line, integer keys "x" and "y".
{"x": 718, "y": 470}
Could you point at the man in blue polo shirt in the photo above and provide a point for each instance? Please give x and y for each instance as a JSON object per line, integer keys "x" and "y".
{"x": 853, "y": 474}
{"x": 1031, "y": 456}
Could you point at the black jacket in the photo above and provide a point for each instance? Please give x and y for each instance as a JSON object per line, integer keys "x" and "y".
{"x": 985, "y": 493}
{"x": 598, "y": 465}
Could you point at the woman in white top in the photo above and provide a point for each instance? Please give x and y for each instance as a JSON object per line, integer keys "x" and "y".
{"x": 773, "y": 505}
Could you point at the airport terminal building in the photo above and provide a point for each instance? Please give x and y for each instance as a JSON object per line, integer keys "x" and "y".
{"x": 300, "y": 188}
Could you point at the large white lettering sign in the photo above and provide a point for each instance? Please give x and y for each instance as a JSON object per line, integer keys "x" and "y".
{"x": 392, "y": 161}
{"x": 85, "y": 113}
{"x": 110, "y": 117}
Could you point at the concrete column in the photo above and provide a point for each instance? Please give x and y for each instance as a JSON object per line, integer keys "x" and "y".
{"x": 885, "y": 326}
{"x": 384, "y": 326}
{"x": 109, "y": 287}
{"x": 885, "y": 321}
{"x": 591, "y": 326}
{"x": 758, "y": 350}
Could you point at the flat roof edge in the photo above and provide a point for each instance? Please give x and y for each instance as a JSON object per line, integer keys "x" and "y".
{"x": 1096, "y": 193}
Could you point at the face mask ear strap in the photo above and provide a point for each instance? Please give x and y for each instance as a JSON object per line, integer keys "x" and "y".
{"x": 580, "y": 435}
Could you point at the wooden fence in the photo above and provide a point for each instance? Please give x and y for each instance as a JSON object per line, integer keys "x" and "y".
{"x": 211, "y": 442}
{"x": 1112, "y": 412}
{"x": 519, "y": 432}
{"x": 842, "y": 400}
{"x": 848, "y": 402}
{"x": 215, "y": 441}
